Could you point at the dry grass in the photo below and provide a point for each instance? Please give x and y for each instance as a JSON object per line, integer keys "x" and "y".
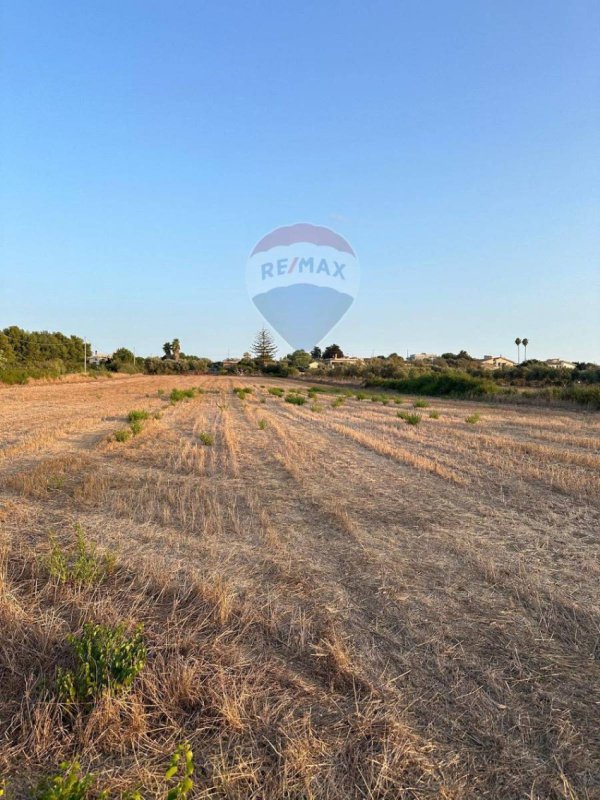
{"x": 335, "y": 605}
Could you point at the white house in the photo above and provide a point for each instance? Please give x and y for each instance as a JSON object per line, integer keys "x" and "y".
{"x": 422, "y": 357}
{"x": 558, "y": 363}
{"x": 98, "y": 358}
{"x": 342, "y": 361}
{"x": 496, "y": 362}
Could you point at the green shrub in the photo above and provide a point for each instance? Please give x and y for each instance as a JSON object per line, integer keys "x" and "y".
{"x": 434, "y": 414}
{"x": 473, "y": 419}
{"x": 262, "y": 424}
{"x": 181, "y": 767}
{"x": 136, "y": 427}
{"x": 449, "y": 382}
{"x": 177, "y": 395}
{"x": 69, "y": 785}
{"x": 107, "y": 660}
{"x": 242, "y": 392}
{"x": 122, "y": 435}
{"x": 360, "y": 395}
{"x": 398, "y": 401}
{"x": 137, "y": 416}
{"x": 207, "y": 439}
{"x": 276, "y": 391}
{"x": 317, "y": 408}
{"x": 81, "y": 565}
{"x": 410, "y": 419}
{"x": 420, "y": 404}
{"x": 295, "y": 399}
{"x": 339, "y": 401}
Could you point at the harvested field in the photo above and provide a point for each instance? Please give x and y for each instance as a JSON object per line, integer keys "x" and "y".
{"x": 336, "y": 604}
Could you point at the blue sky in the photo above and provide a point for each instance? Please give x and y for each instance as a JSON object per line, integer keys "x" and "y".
{"x": 147, "y": 145}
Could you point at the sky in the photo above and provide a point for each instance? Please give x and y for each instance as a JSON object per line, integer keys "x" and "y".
{"x": 147, "y": 145}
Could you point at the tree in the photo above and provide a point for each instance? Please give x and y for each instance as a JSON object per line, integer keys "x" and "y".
{"x": 333, "y": 351}
{"x": 518, "y": 343}
{"x": 167, "y": 350}
{"x": 316, "y": 353}
{"x": 176, "y": 349}
{"x": 263, "y": 347}
{"x": 124, "y": 355}
{"x": 525, "y": 342}
{"x": 300, "y": 359}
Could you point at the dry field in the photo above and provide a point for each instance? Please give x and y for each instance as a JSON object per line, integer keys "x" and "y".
{"x": 336, "y": 604}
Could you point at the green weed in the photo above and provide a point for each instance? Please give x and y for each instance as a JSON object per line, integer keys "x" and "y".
{"x": 69, "y": 785}
{"x": 136, "y": 427}
{"x": 434, "y": 414}
{"x": 122, "y": 435}
{"x": 295, "y": 399}
{"x": 262, "y": 424}
{"x": 72, "y": 784}
{"x": 276, "y": 391}
{"x": 207, "y": 439}
{"x": 473, "y": 419}
{"x": 137, "y": 415}
{"x": 420, "y": 404}
{"x": 410, "y": 419}
{"x": 80, "y": 565}
{"x": 107, "y": 660}
{"x": 177, "y": 395}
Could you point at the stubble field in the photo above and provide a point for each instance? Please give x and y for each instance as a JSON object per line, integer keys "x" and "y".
{"x": 336, "y": 604}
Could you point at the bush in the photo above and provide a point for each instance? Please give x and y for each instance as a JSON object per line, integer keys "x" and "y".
{"x": 207, "y": 439}
{"x": 339, "y": 401}
{"x": 107, "y": 660}
{"x": 295, "y": 399}
{"x": 242, "y": 392}
{"x": 122, "y": 435}
{"x": 80, "y": 565}
{"x": 276, "y": 391}
{"x": 317, "y": 408}
{"x": 398, "y": 400}
{"x": 137, "y": 416}
{"x": 447, "y": 383}
{"x": 410, "y": 419}
{"x": 177, "y": 395}
{"x": 434, "y": 415}
{"x": 71, "y": 784}
{"x": 136, "y": 427}
{"x": 473, "y": 419}
{"x": 262, "y": 424}
{"x": 420, "y": 404}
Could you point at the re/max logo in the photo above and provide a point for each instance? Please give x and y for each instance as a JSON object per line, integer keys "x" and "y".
{"x": 285, "y": 266}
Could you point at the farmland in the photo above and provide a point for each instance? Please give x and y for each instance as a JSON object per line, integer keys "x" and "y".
{"x": 337, "y": 601}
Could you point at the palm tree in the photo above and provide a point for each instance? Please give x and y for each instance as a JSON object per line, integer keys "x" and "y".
{"x": 518, "y": 343}
{"x": 525, "y": 342}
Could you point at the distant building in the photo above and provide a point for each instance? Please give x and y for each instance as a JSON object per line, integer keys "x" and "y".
{"x": 422, "y": 357}
{"x": 558, "y": 363}
{"x": 98, "y": 358}
{"x": 496, "y": 362}
{"x": 341, "y": 361}
{"x": 230, "y": 362}
{"x": 314, "y": 365}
